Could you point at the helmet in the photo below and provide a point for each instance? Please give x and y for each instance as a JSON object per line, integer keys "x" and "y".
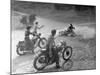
{"x": 71, "y": 24}
{"x": 53, "y": 32}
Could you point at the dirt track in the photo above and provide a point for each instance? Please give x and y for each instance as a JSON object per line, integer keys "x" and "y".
{"x": 84, "y": 47}
{"x": 82, "y": 59}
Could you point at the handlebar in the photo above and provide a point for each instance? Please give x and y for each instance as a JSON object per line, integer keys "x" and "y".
{"x": 36, "y": 34}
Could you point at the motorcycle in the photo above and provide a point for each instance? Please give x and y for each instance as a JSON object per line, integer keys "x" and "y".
{"x": 43, "y": 60}
{"x": 38, "y": 41}
{"x": 67, "y": 33}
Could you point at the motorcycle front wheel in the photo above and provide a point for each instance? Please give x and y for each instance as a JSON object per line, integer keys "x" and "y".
{"x": 67, "y": 53}
{"x": 40, "y": 62}
{"x": 42, "y": 43}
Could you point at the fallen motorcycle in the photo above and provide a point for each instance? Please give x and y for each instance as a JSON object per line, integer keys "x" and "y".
{"x": 70, "y": 33}
{"x": 40, "y": 42}
{"x": 42, "y": 60}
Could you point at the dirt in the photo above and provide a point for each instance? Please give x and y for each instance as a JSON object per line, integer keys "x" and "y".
{"x": 84, "y": 47}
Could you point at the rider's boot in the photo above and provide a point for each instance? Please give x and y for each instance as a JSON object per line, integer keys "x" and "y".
{"x": 57, "y": 64}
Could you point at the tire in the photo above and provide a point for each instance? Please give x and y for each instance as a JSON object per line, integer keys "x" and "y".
{"x": 19, "y": 51}
{"x": 37, "y": 59}
{"x": 42, "y": 43}
{"x": 67, "y": 53}
{"x": 67, "y": 65}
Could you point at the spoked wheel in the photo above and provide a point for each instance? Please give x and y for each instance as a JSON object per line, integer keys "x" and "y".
{"x": 20, "y": 51}
{"x": 67, "y": 65}
{"x": 40, "y": 62}
{"x": 42, "y": 43}
{"x": 67, "y": 53}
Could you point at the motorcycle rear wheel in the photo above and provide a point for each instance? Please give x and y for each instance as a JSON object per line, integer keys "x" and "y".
{"x": 40, "y": 60}
{"x": 67, "y": 53}
{"x": 67, "y": 65}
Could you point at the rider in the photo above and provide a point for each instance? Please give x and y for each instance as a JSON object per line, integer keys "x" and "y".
{"x": 50, "y": 48}
{"x": 27, "y": 38}
{"x": 29, "y": 22}
{"x": 36, "y": 26}
{"x": 70, "y": 28}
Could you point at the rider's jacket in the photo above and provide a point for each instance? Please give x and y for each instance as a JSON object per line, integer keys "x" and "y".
{"x": 50, "y": 43}
{"x": 28, "y": 43}
{"x": 27, "y": 33}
